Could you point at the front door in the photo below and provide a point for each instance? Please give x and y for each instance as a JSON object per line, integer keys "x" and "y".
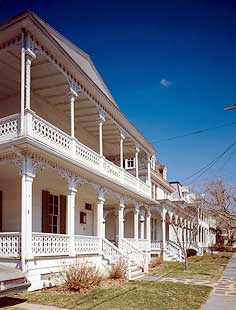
{"x": 54, "y": 214}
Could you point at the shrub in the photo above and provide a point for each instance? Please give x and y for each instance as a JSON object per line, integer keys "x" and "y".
{"x": 191, "y": 252}
{"x": 155, "y": 261}
{"x": 119, "y": 270}
{"x": 223, "y": 248}
{"x": 81, "y": 276}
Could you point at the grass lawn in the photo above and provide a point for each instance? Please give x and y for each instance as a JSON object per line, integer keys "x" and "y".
{"x": 206, "y": 267}
{"x": 131, "y": 295}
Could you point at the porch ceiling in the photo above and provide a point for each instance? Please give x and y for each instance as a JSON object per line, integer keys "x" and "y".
{"x": 51, "y": 86}
{"x": 10, "y": 73}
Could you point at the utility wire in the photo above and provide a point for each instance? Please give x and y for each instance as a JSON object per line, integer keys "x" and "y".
{"x": 204, "y": 169}
{"x": 193, "y": 133}
{"x": 231, "y": 154}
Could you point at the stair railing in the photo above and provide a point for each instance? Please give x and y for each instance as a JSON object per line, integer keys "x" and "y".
{"x": 114, "y": 254}
{"x": 173, "y": 247}
{"x": 134, "y": 254}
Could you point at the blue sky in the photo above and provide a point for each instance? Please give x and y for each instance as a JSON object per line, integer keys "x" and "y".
{"x": 137, "y": 46}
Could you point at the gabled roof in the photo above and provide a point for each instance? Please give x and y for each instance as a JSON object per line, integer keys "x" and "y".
{"x": 80, "y": 57}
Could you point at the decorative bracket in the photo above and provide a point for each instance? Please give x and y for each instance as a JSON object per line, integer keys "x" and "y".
{"x": 74, "y": 88}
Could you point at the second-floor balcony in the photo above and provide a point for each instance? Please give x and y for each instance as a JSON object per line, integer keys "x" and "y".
{"x": 49, "y": 101}
{"x": 45, "y": 133}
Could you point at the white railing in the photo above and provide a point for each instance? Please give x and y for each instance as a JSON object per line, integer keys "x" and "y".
{"x": 195, "y": 245}
{"x": 87, "y": 155}
{"x": 156, "y": 245}
{"x": 175, "y": 249}
{"x": 112, "y": 170}
{"x": 45, "y": 131}
{"x": 143, "y": 187}
{"x": 10, "y": 244}
{"x": 130, "y": 180}
{"x": 87, "y": 244}
{"x": 134, "y": 254}
{"x": 44, "y": 244}
{"x": 49, "y": 134}
{"x": 9, "y": 127}
{"x": 141, "y": 244}
{"x": 111, "y": 252}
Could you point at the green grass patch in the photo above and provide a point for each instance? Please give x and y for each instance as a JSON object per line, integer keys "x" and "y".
{"x": 207, "y": 267}
{"x": 132, "y": 295}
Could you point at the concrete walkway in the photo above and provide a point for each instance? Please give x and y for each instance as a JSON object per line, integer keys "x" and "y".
{"x": 28, "y": 306}
{"x": 223, "y": 296}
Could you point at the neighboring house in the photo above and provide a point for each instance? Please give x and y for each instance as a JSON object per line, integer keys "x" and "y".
{"x": 77, "y": 179}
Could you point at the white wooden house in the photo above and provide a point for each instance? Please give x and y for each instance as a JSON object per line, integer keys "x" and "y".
{"x": 77, "y": 179}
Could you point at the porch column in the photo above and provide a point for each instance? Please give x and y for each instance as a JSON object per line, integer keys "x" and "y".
{"x": 142, "y": 219}
{"x": 72, "y": 95}
{"x": 22, "y": 81}
{"x": 30, "y": 56}
{"x": 136, "y": 161}
{"x": 208, "y": 238}
{"x": 202, "y": 233}
{"x": 101, "y": 120}
{"x": 121, "y": 220}
{"x": 149, "y": 170}
{"x": 176, "y": 229}
{"x": 99, "y": 215}
{"x": 148, "y": 228}
{"x": 170, "y": 226}
{"x": 199, "y": 234}
{"x": 184, "y": 232}
{"x": 181, "y": 230}
{"x": 163, "y": 216}
{"x": 70, "y": 227}
{"x": 26, "y": 211}
{"x": 189, "y": 231}
{"x": 122, "y": 138}
{"x": 136, "y": 221}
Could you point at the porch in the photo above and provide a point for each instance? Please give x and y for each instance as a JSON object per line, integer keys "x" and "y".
{"x": 49, "y": 213}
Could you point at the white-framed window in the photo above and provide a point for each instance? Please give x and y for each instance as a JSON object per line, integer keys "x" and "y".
{"x": 54, "y": 214}
{"x": 130, "y": 163}
{"x": 153, "y": 164}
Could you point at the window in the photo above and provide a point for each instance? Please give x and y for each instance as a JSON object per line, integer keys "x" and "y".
{"x": 88, "y": 206}
{"x": 153, "y": 164}
{"x": 82, "y": 218}
{"x": 53, "y": 214}
{"x": 130, "y": 163}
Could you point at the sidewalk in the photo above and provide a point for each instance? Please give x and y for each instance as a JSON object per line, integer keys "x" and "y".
{"x": 223, "y": 295}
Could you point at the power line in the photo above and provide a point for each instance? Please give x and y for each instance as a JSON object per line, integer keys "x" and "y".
{"x": 205, "y": 168}
{"x": 193, "y": 133}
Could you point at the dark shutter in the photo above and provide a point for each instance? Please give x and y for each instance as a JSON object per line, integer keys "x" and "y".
{"x": 0, "y": 210}
{"x": 62, "y": 214}
{"x": 45, "y": 211}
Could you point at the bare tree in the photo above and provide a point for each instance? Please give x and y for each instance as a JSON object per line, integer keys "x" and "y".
{"x": 190, "y": 216}
{"x": 220, "y": 201}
